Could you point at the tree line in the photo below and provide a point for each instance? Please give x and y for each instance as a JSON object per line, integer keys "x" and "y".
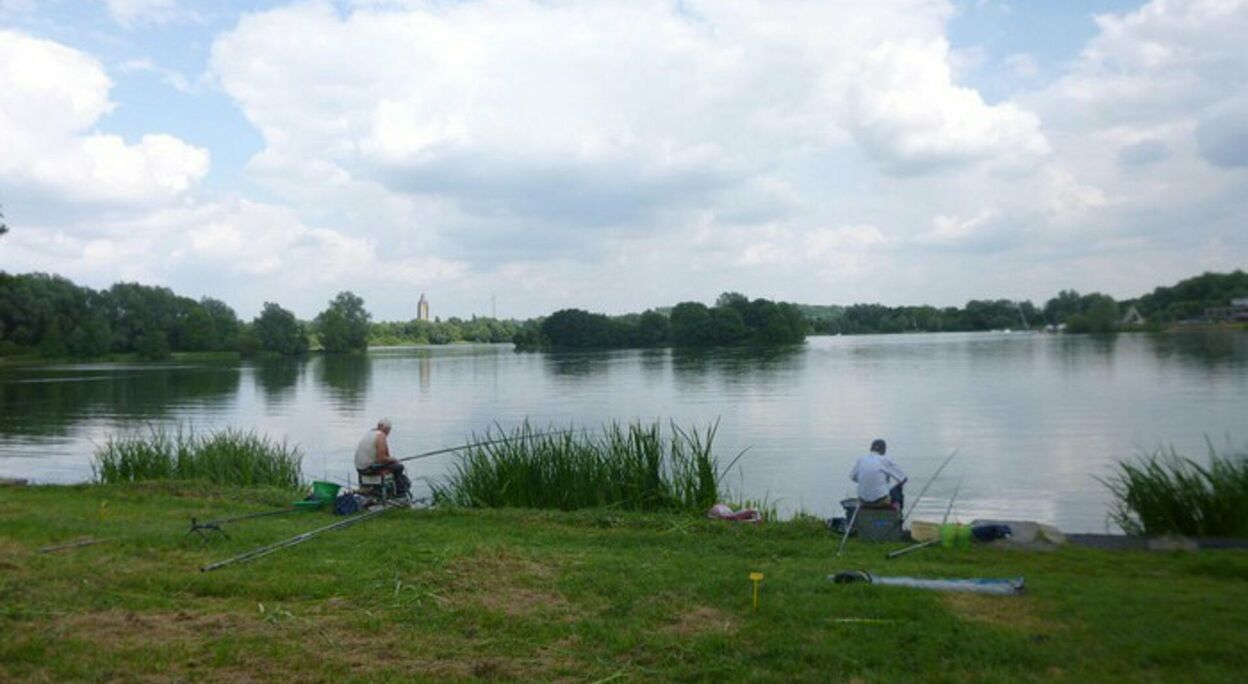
{"x": 733, "y": 320}
{"x": 476, "y": 329}
{"x": 1071, "y": 311}
{"x": 52, "y": 317}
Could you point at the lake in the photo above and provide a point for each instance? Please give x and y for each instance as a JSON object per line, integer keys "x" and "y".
{"x": 1035, "y": 418}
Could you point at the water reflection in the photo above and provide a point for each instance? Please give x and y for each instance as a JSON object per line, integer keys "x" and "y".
{"x": 277, "y": 378}
{"x": 694, "y": 369}
{"x": 346, "y": 377}
{"x": 577, "y": 364}
{"x": 49, "y": 401}
{"x": 1207, "y": 347}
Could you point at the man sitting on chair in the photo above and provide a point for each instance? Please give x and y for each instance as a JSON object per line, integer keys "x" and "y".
{"x": 372, "y": 456}
{"x": 879, "y": 479}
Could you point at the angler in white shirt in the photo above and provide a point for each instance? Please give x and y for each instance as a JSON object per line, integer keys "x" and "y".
{"x": 879, "y": 478}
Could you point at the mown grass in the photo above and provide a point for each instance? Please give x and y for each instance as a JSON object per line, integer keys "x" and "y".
{"x": 226, "y": 457}
{"x": 586, "y": 596}
{"x": 637, "y": 467}
{"x": 1165, "y": 493}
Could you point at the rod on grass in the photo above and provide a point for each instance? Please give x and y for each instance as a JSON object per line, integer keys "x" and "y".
{"x": 73, "y": 545}
{"x": 297, "y": 539}
{"x": 487, "y": 442}
{"x": 923, "y": 491}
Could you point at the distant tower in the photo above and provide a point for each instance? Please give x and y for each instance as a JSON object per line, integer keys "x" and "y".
{"x": 422, "y": 308}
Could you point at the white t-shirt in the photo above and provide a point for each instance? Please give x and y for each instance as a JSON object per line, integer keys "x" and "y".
{"x": 875, "y": 475}
{"x": 366, "y": 452}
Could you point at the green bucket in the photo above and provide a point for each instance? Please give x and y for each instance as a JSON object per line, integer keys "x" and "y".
{"x": 955, "y": 536}
{"x": 325, "y": 491}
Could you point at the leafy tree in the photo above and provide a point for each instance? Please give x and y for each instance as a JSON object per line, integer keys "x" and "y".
{"x": 3, "y": 227}
{"x": 728, "y": 325}
{"x": 652, "y": 328}
{"x": 577, "y": 329}
{"x": 344, "y": 326}
{"x": 691, "y": 325}
{"x": 277, "y": 330}
{"x": 1099, "y": 315}
{"x": 225, "y": 324}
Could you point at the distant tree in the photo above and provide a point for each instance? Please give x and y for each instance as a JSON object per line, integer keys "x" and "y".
{"x": 3, "y": 227}
{"x": 1066, "y": 304}
{"x": 277, "y": 330}
{"x": 1099, "y": 314}
{"x": 577, "y": 329}
{"x": 728, "y": 325}
{"x": 225, "y": 324}
{"x": 343, "y": 327}
{"x": 690, "y": 325}
{"x": 652, "y": 328}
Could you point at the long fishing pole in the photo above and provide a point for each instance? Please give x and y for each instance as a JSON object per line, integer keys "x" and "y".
{"x": 488, "y": 442}
{"x": 923, "y": 491}
{"x": 297, "y": 539}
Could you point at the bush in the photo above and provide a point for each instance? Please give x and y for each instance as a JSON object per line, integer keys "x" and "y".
{"x": 635, "y": 468}
{"x": 225, "y": 456}
{"x": 1164, "y": 493}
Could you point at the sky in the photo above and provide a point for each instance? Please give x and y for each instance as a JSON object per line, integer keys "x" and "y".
{"x": 522, "y": 156}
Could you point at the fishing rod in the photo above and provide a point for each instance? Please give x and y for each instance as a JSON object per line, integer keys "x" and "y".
{"x": 488, "y": 442}
{"x": 923, "y": 491}
{"x": 215, "y": 525}
{"x": 265, "y": 550}
{"x": 931, "y": 542}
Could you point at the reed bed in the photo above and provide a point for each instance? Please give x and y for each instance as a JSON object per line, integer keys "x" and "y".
{"x": 229, "y": 456}
{"x": 634, "y": 467}
{"x": 1165, "y": 493}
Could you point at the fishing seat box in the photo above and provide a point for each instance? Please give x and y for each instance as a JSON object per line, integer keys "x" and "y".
{"x": 380, "y": 484}
{"x": 878, "y": 524}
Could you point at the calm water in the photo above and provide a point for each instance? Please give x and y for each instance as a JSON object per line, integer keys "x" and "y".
{"x": 1035, "y": 417}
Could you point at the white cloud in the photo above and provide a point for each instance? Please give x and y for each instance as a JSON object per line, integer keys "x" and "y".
{"x": 645, "y": 105}
{"x": 51, "y": 96}
{"x": 907, "y": 112}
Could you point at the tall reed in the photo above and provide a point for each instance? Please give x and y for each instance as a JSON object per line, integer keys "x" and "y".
{"x": 634, "y": 467}
{"x": 1164, "y": 493}
{"x": 228, "y": 456}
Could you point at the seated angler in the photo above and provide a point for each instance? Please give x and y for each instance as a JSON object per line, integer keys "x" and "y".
{"x": 372, "y": 457}
{"x": 879, "y": 479}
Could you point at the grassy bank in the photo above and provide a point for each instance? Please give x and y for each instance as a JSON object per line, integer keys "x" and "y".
{"x": 511, "y": 595}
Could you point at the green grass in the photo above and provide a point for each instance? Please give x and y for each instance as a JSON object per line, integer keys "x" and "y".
{"x": 585, "y": 596}
{"x": 1164, "y": 493}
{"x": 634, "y": 467}
{"x": 227, "y": 457}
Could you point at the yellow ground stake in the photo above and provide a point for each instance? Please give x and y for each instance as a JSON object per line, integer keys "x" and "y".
{"x": 756, "y": 577}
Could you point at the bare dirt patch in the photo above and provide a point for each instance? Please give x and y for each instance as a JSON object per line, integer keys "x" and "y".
{"x": 124, "y": 627}
{"x": 1009, "y": 612}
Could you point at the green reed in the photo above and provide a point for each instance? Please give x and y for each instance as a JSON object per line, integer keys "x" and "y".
{"x": 634, "y": 467}
{"x": 1164, "y": 493}
{"x": 228, "y": 456}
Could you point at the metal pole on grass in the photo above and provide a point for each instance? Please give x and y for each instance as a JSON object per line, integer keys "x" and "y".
{"x": 297, "y": 539}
